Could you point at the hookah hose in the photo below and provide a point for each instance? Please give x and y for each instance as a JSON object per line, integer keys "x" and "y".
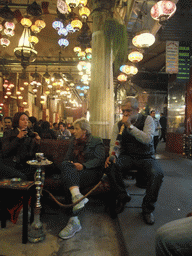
{"x": 116, "y": 149}
{"x": 73, "y": 204}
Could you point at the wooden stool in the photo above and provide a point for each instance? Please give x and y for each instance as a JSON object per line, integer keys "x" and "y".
{"x": 22, "y": 188}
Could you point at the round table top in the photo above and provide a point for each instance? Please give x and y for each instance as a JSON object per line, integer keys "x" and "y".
{"x": 42, "y": 163}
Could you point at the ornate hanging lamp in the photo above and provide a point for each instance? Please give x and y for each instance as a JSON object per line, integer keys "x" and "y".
{"x": 135, "y": 56}
{"x": 143, "y": 39}
{"x": 163, "y": 10}
{"x": 25, "y": 51}
{"x": 129, "y": 69}
{"x": 82, "y": 3}
{"x": 76, "y": 24}
{"x": 72, "y": 3}
{"x": 84, "y": 12}
{"x": 122, "y": 77}
{"x": 26, "y": 22}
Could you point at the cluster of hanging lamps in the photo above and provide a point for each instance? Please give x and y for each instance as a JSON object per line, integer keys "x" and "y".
{"x": 8, "y": 31}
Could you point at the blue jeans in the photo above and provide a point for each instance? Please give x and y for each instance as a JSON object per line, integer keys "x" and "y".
{"x": 153, "y": 172}
{"x": 175, "y": 238}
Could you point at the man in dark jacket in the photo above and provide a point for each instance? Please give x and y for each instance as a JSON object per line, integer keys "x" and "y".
{"x": 83, "y": 167}
{"x": 136, "y": 152}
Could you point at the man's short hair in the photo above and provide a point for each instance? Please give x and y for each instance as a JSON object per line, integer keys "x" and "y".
{"x": 132, "y": 100}
{"x": 8, "y": 117}
{"x": 84, "y": 124}
{"x": 64, "y": 125}
{"x": 152, "y": 111}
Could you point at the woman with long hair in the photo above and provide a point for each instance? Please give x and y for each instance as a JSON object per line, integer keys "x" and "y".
{"x": 19, "y": 145}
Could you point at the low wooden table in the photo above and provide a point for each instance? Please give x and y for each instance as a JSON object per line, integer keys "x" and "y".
{"x": 22, "y": 188}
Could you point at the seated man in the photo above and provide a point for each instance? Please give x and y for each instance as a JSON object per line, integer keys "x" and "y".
{"x": 82, "y": 167}
{"x": 136, "y": 152}
{"x": 175, "y": 238}
{"x": 63, "y": 133}
{"x": 7, "y": 124}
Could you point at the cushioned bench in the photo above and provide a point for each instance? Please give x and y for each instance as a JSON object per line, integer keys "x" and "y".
{"x": 55, "y": 151}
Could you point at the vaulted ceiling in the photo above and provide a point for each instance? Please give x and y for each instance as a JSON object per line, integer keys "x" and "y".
{"x": 151, "y": 73}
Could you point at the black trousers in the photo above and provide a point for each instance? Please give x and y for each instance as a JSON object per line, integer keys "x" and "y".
{"x": 156, "y": 141}
{"x": 163, "y": 134}
{"x": 151, "y": 170}
{"x": 72, "y": 177}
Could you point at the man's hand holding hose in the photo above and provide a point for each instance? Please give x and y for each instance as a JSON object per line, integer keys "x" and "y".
{"x": 112, "y": 157}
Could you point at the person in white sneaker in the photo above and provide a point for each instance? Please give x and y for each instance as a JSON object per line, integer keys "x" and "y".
{"x": 83, "y": 167}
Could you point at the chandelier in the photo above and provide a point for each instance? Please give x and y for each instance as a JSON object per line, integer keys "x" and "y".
{"x": 163, "y": 10}
{"x": 25, "y": 51}
{"x": 143, "y": 39}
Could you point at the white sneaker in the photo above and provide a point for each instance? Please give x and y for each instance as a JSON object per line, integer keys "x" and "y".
{"x": 71, "y": 229}
{"x": 80, "y": 204}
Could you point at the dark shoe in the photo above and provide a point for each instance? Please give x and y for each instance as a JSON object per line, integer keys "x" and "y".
{"x": 148, "y": 218}
{"x": 121, "y": 202}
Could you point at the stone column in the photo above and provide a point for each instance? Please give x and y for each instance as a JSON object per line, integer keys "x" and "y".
{"x": 101, "y": 89}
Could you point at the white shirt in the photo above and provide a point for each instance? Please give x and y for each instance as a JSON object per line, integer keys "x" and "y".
{"x": 145, "y": 136}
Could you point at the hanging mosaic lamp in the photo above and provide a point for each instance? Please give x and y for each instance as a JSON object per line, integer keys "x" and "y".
{"x": 163, "y": 10}
{"x": 135, "y": 56}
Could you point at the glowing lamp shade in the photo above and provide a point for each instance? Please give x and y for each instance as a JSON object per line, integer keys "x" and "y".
{"x": 63, "y": 42}
{"x": 129, "y": 69}
{"x": 82, "y": 2}
{"x": 72, "y": 3}
{"x": 81, "y": 54}
{"x": 20, "y": 97}
{"x": 76, "y": 24}
{"x": 26, "y": 22}
{"x": 40, "y": 23}
{"x": 34, "y": 90}
{"x": 88, "y": 50}
{"x": 35, "y": 29}
{"x": 57, "y": 24}
{"x": 70, "y": 29}
{"x": 122, "y": 77}
{"x": 143, "y": 40}
{"x": 62, "y": 31}
{"x": 135, "y": 56}
{"x": 24, "y": 102}
{"x": 84, "y": 12}
{"x": 163, "y": 10}
{"x": 5, "y": 42}
{"x": 9, "y": 25}
{"x": 77, "y": 49}
{"x": 9, "y": 32}
{"x": 33, "y": 39}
